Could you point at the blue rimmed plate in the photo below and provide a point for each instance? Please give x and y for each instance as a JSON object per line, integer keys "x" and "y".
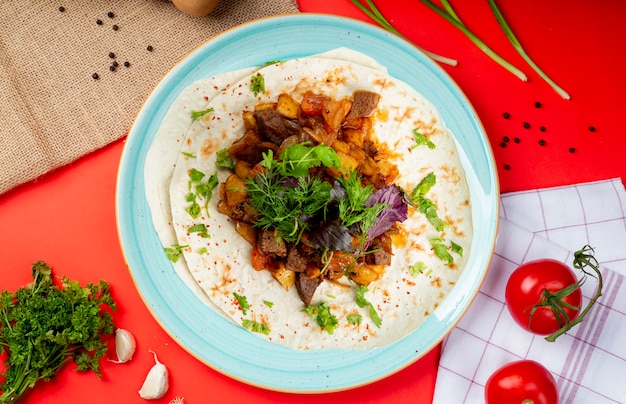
{"x": 229, "y": 348}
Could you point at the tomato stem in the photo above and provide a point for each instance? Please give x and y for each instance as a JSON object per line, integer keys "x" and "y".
{"x": 583, "y": 258}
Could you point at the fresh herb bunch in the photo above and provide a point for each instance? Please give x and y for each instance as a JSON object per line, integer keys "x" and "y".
{"x": 285, "y": 203}
{"x": 43, "y": 326}
{"x": 288, "y": 199}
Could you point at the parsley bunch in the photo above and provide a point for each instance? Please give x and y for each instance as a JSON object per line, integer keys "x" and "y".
{"x": 43, "y": 326}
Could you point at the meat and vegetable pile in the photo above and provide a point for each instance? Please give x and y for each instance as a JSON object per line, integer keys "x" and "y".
{"x": 314, "y": 212}
{"x": 317, "y": 202}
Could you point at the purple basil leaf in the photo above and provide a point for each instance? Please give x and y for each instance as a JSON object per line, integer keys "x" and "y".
{"x": 332, "y": 235}
{"x": 396, "y": 211}
{"x": 337, "y": 192}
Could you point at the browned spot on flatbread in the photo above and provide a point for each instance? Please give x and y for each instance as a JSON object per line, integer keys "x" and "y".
{"x": 383, "y": 83}
{"x": 225, "y": 280}
{"x": 427, "y": 129}
{"x": 415, "y": 245}
{"x": 407, "y": 113}
{"x": 209, "y": 147}
{"x": 454, "y": 225}
{"x": 450, "y": 174}
{"x": 436, "y": 282}
{"x": 337, "y": 76}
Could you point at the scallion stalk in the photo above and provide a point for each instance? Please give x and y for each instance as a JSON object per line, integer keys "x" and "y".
{"x": 370, "y": 9}
{"x": 518, "y": 47}
{"x": 449, "y": 15}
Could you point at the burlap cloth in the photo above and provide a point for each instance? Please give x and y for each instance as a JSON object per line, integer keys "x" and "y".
{"x": 52, "y": 110}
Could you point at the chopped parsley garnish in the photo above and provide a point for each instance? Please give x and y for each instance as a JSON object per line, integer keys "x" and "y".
{"x": 456, "y": 248}
{"x": 188, "y": 154}
{"x": 354, "y": 319}
{"x": 425, "y": 205}
{"x": 361, "y": 301}
{"x": 195, "y": 176}
{"x": 243, "y": 302}
{"x": 417, "y": 268}
{"x": 257, "y": 84}
{"x": 268, "y": 303}
{"x": 322, "y": 315}
{"x": 295, "y": 161}
{"x": 199, "y": 228}
{"x": 224, "y": 159}
{"x": 273, "y": 62}
{"x": 421, "y": 140}
{"x": 195, "y": 115}
{"x": 441, "y": 250}
{"x": 255, "y": 326}
{"x": 199, "y": 189}
{"x": 174, "y": 252}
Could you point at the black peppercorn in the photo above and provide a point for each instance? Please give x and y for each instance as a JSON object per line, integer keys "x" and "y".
{"x": 507, "y": 167}
{"x": 542, "y": 128}
{"x": 505, "y": 139}
{"x": 61, "y": 9}
{"x": 126, "y": 64}
{"x": 150, "y": 48}
{"x": 592, "y": 129}
{"x": 112, "y": 68}
{"x": 506, "y": 115}
{"x": 542, "y": 142}
{"x": 526, "y": 125}
{"x": 95, "y": 76}
{"x": 537, "y": 104}
{"x": 502, "y": 144}
{"x": 517, "y": 140}
{"x": 112, "y": 55}
{"x": 99, "y": 21}
{"x": 110, "y": 14}
{"x": 114, "y": 64}
{"x": 572, "y": 149}
{"x": 115, "y": 27}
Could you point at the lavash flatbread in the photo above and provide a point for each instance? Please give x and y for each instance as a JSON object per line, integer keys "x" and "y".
{"x": 220, "y": 265}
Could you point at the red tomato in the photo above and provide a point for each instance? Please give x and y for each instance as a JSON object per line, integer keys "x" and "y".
{"x": 520, "y": 382}
{"x": 526, "y": 288}
{"x": 259, "y": 260}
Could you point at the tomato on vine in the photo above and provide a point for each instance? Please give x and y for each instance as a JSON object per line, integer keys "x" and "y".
{"x": 524, "y": 382}
{"x": 544, "y": 296}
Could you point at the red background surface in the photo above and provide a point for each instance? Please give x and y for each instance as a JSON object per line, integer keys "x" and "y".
{"x": 67, "y": 218}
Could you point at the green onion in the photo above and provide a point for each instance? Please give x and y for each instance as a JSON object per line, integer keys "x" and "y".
{"x": 449, "y": 15}
{"x": 518, "y": 47}
{"x": 447, "y": 12}
{"x": 373, "y": 13}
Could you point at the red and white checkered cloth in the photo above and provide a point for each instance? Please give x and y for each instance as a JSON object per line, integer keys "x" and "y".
{"x": 589, "y": 362}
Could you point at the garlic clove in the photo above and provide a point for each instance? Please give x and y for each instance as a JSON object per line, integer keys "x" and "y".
{"x": 124, "y": 345}
{"x": 156, "y": 383}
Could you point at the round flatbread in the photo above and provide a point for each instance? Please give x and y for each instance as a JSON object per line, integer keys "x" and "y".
{"x": 426, "y": 261}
